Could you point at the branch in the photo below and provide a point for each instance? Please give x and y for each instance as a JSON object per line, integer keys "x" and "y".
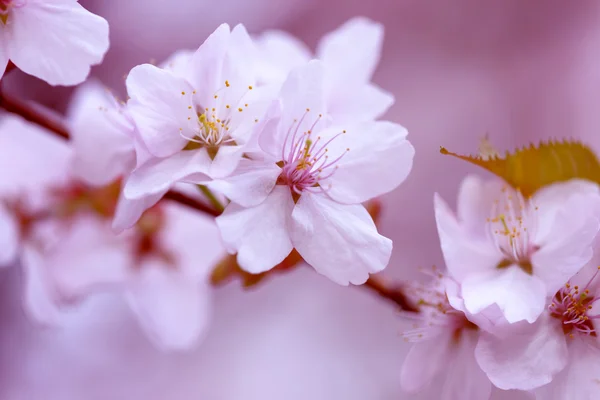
{"x": 392, "y": 293}
{"x": 191, "y": 202}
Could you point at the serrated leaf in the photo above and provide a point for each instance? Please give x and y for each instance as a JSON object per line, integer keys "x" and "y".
{"x": 531, "y": 168}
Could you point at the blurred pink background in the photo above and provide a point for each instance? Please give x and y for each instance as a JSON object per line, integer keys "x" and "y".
{"x": 519, "y": 71}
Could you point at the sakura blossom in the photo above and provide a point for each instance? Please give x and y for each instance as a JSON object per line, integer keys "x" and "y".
{"x": 57, "y": 41}
{"x": 557, "y": 357}
{"x": 306, "y": 191}
{"x": 196, "y": 119}
{"x": 349, "y": 54}
{"x": 443, "y": 345}
{"x": 515, "y": 252}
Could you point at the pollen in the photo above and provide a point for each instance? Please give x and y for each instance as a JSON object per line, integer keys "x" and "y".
{"x": 227, "y": 83}
{"x": 183, "y": 93}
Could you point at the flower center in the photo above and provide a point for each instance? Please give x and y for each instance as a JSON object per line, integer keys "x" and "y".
{"x": 6, "y": 5}
{"x": 305, "y": 158}
{"x": 212, "y": 123}
{"x": 512, "y": 227}
{"x": 573, "y": 306}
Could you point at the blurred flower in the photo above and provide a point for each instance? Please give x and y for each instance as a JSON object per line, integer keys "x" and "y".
{"x": 56, "y": 41}
{"x": 349, "y": 54}
{"x": 306, "y": 194}
{"x": 195, "y": 126}
{"x": 443, "y": 344}
{"x": 513, "y": 252}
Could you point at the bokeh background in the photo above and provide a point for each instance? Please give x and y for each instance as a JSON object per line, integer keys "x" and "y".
{"x": 517, "y": 70}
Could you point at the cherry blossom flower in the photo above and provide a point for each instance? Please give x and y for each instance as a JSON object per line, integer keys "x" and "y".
{"x": 306, "y": 191}
{"x": 514, "y": 252}
{"x": 558, "y": 357}
{"x": 195, "y": 119}
{"x": 54, "y": 40}
{"x": 350, "y": 55}
{"x": 444, "y": 343}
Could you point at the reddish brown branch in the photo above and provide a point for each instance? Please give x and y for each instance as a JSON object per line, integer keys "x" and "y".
{"x": 34, "y": 114}
{"x": 191, "y": 202}
{"x": 392, "y": 293}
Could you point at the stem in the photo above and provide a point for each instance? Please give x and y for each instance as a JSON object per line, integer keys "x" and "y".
{"x": 211, "y": 198}
{"x": 191, "y": 202}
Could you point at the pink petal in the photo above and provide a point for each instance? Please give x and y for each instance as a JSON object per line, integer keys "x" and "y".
{"x": 464, "y": 254}
{"x": 519, "y": 295}
{"x": 525, "y": 359}
{"x": 179, "y": 63}
{"x": 279, "y": 52}
{"x": 358, "y": 104}
{"x": 3, "y": 51}
{"x": 379, "y": 160}
{"x": 570, "y": 246}
{"x": 239, "y": 65}
{"x": 41, "y": 300}
{"x": 97, "y": 121}
{"x": 423, "y": 362}
{"x": 56, "y": 41}
{"x": 476, "y": 198}
{"x": 581, "y": 377}
{"x": 206, "y": 65}
{"x": 225, "y": 162}
{"x": 250, "y": 184}
{"x": 339, "y": 241}
{"x": 88, "y": 257}
{"x": 302, "y": 91}
{"x": 159, "y": 174}
{"x": 173, "y": 309}
{"x": 158, "y": 103}
{"x": 259, "y": 234}
{"x": 464, "y": 378}
{"x": 351, "y": 52}
{"x": 130, "y": 210}
{"x": 9, "y": 237}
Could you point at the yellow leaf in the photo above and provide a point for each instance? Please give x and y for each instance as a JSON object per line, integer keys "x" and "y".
{"x": 534, "y": 167}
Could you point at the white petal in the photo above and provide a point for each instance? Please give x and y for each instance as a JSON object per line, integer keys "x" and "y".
{"x": 519, "y": 295}
{"x": 250, "y": 184}
{"x": 206, "y": 65}
{"x": 3, "y": 51}
{"x": 239, "y": 65}
{"x": 130, "y": 210}
{"x": 464, "y": 254}
{"x": 9, "y": 237}
{"x": 179, "y": 63}
{"x": 259, "y": 234}
{"x": 339, "y": 241}
{"x": 158, "y": 103}
{"x": 225, "y": 162}
{"x": 423, "y": 362}
{"x": 279, "y": 52}
{"x": 351, "y": 52}
{"x": 173, "y": 309}
{"x": 525, "y": 359}
{"x": 97, "y": 122}
{"x": 570, "y": 246}
{"x": 159, "y": 174}
{"x": 56, "y": 41}
{"x": 89, "y": 257}
{"x": 475, "y": 203}
{"x": 40, "y": 296}
{"x": 464, "y": 378}
{"x": 358, "y": 104}
{"x": 378, "y": 160}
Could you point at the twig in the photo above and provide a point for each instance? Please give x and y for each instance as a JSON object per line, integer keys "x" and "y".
{"x": 191, "y": 202}
{"x": 394, "y": 294}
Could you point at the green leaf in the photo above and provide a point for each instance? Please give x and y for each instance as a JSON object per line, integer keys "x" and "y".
{"x": 531, "y": 168}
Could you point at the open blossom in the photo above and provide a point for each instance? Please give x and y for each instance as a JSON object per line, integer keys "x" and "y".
{"x": 558, "y": 357}
{"x": 349, "y": 54}
{"x": 306, "y": 191}
{"x": 444, "y": 343}
{"x": 195, "y": 119}
{"x": 515, "y": 252}
{"x": 54, "y": 40}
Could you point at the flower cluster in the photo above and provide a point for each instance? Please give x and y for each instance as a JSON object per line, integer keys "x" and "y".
{"x": 287, "y": 163}
{"x": 519, "y": 304}
{"x": 283, "y": 148}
